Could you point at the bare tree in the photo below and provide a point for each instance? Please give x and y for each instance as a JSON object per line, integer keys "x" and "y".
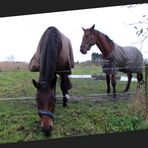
{"x": 11, "y": 58}
{"x": 141, "y": 26}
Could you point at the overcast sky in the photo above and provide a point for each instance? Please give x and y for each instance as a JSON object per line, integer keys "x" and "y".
{"x": 19, "y": 35}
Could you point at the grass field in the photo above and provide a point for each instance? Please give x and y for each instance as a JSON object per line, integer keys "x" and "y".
{"x": 90, "y": 110}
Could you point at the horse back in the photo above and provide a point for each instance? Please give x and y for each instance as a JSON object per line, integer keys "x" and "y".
{"x": 128, "y": 58}
{"x": 65, "y": 59}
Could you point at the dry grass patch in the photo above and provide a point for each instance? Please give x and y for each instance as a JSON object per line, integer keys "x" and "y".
{"x": 13, "y": 66}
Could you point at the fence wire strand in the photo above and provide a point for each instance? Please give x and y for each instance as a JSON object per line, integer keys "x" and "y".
{"x": 112, "y": 68}
{"x": 73, "y": 70}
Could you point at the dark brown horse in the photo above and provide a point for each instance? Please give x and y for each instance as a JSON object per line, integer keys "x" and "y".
{"x": 54, "y": 55}
{"x": 125, "y": 59}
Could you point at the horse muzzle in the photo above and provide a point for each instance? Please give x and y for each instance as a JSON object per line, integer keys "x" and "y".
{"x": 46, "y": 122}
{"x": 83, "y": 50}
{"x": 47, "y": 131}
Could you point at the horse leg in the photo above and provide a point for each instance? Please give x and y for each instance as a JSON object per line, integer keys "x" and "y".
{"x": 108, "y": 83}
{"x": 129, "y": 75}
{"x": 113, "y": 81}
{"x": 139, "y": 80}
{"x": 65, "y": 85}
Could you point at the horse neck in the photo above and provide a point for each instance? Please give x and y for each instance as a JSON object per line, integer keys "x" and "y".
{"x": 48, "y": 59}
{"x": 105, "y": 46}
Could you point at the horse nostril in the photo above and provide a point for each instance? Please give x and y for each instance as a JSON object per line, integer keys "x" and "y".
{"x": 47, "y": 131}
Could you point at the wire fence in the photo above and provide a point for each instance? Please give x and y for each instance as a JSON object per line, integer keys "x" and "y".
{"x": 107, "y": 68}
{"x": 142, "y": 93}
{"x": 144, "y": 90}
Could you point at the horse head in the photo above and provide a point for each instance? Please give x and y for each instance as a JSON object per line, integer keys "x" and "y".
{"x": 46, "y": 100}
{"x": 88, "y": 39}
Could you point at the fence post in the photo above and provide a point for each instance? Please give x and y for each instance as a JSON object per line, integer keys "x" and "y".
{"x": 146, "y": 88}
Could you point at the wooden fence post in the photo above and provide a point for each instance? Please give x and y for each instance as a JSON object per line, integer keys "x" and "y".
{"x": 146, "y": 88}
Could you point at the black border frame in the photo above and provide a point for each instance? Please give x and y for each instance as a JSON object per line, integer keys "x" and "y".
{"x": 125, "y": 139}
{"x": 23, "y": 7}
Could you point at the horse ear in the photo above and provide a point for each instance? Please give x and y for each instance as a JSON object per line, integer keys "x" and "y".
{"x": 36, "y": 84}
{"x": 92, "y": 28}
{"x": 83, "y": 29}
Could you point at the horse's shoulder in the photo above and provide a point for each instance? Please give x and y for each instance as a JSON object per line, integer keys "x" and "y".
{"x": 64, "y": 36}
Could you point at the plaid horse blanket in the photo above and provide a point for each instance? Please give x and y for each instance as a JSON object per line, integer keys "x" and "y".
{"x": 124, "y": 59}
{"x": 65, "y": 61}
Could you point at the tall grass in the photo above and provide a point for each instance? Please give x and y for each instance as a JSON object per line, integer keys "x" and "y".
{"x": 138, "y": 104}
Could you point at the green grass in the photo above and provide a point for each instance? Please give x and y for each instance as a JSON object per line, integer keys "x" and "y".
{"x": 19, "y": 120}
{"x": 86, "y": 115}
{"x": 19, "y": 83}
{"x": 16, "y": 84}
{"x": 87, "y": 68}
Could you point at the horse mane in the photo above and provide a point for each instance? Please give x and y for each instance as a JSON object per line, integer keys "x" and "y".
{"x": 107, "y": 37}
{"x": 50, "y": 45}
